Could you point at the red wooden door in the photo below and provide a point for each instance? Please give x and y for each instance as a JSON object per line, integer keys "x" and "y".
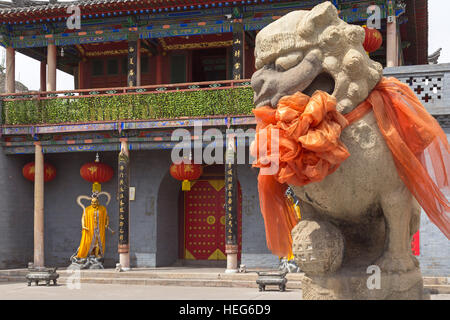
{"x": 204, "y": 221}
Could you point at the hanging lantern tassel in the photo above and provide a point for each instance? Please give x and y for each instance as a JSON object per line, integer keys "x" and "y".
{"x": 186, "y": 173}
{"x": 186, "y": 185}
{"x": 96, "y": 187}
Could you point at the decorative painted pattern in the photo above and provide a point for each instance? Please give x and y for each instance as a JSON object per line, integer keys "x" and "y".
{"x": 109, "y": 28}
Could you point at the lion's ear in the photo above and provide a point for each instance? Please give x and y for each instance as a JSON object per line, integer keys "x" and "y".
{"x": 323, "y": 14}
{"x": 316, "y": 20}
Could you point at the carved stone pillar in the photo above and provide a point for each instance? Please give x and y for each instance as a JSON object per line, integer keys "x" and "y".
{"x": 38, "y": 206}
{"x": 10, "y": 83}
{"x": 231, "y": 207}
{"x": 124, "y": 205}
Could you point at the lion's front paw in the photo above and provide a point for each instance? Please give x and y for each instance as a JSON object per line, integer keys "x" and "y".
{"x": 396, "y": 263}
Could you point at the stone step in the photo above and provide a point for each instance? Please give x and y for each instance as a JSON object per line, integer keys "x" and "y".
{"x": 13, "y": 272}
{"x": 176, "y": 275}
{"x": 178, "y": 282}
{"x": 12, "y": 278}
{"x": 251, "y": 276}
{"x": 436, "y": 285}
{"x": 64, "y": 280}
{"x": 438, "y": 288}
{"x": 436, "y": 280}
{"x": 158, "y": 277}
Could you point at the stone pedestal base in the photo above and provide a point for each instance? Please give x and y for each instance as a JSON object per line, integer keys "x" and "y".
{"x": 232, "y": 263}
{"x": 124, "y": 260}
{"x": 87, "y": 263}
{"x": 353, "y": 285}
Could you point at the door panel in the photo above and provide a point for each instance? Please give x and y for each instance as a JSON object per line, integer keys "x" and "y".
{"x": 204, "y": 221}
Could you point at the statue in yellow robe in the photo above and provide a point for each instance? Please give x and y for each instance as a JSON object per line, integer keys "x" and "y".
{"x": 94, "y": 222}
{"x": 288, "y": 263}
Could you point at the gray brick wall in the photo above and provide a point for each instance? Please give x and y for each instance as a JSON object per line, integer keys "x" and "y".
{"x": 147, "y": 170}
{"x": 434, "y": 249}
{"x": 260, "y": 260}
{"x": 62, "y": 214}
{"x": 167, "y": 221}
{"x": 254, "y": 247}
{"x": 16, "y": 212}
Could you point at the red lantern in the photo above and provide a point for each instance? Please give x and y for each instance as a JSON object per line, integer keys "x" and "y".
{"x": 49, "y": 172}
{"x": 185, "y": 172}
{"x": 415, "y": 244}
{"x": 373, "y": 40}
{"x": 97, "y": 173}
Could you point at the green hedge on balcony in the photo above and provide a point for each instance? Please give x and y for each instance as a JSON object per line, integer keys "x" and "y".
{"x": 236, "y": 101}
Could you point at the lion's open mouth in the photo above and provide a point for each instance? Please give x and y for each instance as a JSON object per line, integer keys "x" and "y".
{"x": 323, "y": 82}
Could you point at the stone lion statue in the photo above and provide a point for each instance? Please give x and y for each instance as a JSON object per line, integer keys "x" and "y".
{"x": 362, "y": 214}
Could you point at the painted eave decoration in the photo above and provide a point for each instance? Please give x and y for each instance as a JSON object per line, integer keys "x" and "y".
{"x": 108, "y": 8}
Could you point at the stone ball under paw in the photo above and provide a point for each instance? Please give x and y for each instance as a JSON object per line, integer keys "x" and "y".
{"x": 318, "y": 247}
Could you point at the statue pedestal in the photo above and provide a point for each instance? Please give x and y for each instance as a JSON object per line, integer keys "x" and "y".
{"x": 354, "y": 284}
{"x": 90, "y": 262}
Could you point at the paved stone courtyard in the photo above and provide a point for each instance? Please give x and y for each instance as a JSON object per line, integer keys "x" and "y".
{"x": 88, "y": 291}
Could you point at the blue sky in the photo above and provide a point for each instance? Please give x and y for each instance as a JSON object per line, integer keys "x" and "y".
{"x": 27, "y": 69}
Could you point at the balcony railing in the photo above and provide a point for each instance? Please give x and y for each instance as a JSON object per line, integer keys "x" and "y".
{"x": 193, "y": 100}
{"x": 431, "y": 83}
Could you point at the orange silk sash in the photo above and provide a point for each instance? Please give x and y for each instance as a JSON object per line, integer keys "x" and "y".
{"x": 308, "y": 148}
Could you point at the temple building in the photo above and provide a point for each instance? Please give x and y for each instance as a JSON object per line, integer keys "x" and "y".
{"x": 142, "y": 70}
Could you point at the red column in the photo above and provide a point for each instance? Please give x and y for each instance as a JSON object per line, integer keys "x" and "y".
{"x": 82, "y": 69}
{"x": 159, "y": 62}
{"x": 138, "y": 71}
{"x": 43, "y": 82}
